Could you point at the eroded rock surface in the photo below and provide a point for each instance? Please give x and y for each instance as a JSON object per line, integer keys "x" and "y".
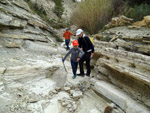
{"x": 124, "y": 61}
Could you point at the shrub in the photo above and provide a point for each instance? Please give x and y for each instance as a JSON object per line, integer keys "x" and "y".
{"x": 137, "y": 2}
{"x": 118, "y": 6}
{"x": 34, "y": 7}
{"x": 92, "y": 15}
{"x": 59, "y": 9}
{"x": 139, "y": 11}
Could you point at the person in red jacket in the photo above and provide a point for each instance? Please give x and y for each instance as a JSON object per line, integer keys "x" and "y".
{"x": 66, "y": 35}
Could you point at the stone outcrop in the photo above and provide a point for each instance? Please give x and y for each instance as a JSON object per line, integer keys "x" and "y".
{"x": 49, "y": 5}
{"x": 120, "y": 98}
{"x": 17, "y": 22}
{"x": 124, "y": 61}
{"x": 119, "y": 21}
{"x": 144, "y": 23}
{"x": 28, "y": 53}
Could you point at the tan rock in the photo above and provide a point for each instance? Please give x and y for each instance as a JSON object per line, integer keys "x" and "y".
{"x": 126, "y": 18}
{"x": 140, "y": 23}
{"x": 114, "y": 20}
{"x": 133, "y": 27}
{"x": 119, "y": 21}
{"x": 147, "y": 20}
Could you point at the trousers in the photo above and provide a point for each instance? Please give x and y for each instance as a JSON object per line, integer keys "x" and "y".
{"x": 67, "y": 43}
{"x": 85, "y": 58}
{"x": 74, "y": 66}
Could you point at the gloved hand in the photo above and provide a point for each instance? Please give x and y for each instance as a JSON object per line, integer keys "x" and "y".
{"x": 63, "y": 60}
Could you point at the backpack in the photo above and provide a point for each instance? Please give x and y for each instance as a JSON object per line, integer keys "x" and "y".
{"x": 91, "y": 39}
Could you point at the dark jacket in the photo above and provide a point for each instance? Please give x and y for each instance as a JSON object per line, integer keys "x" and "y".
{"x": 86, "y": 44}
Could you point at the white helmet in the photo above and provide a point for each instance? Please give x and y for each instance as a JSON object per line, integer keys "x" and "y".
{"x": 78, "y": 32}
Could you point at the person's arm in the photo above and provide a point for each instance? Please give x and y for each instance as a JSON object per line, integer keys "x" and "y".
{"x": 71, "y": 34}
{"x": 67, "y": 55}
{"x": 82, "y": 53}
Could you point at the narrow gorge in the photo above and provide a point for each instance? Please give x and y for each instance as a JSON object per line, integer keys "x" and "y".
{"x": 32, "y": 76}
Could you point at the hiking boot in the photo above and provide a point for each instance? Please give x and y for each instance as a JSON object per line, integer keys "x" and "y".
{"x": 82, "y": 75}
{"x": 87, "y": 75}
{"x": 74, "y": 76}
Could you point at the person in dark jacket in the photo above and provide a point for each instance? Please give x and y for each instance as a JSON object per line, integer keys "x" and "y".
{"x": 88, "y": 48}
{"x": 75, "y": 57}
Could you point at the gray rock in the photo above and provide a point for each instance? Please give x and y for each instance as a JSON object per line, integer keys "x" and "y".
{"x": 39, "y": 48}
{"x": 12, "y": 43}
{"x": 58, "y": 89}
{"x": 67, "y": 89}
{"x": 77, "y": 95}
{"x": 64, "y": 104}
{"x": 60, "y": 77}
{"x": 2, "y": 70}
{"x": 54, "y": 92}
{"x": 69, "y": 106}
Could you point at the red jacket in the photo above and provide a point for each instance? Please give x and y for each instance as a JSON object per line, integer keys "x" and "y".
{"x": 67, "y": 34}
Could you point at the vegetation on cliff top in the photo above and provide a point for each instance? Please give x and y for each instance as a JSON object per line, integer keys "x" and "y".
{"x": 92, "y": 15}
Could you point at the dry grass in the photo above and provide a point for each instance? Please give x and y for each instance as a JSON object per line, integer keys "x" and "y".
{"x": 92, "y": 14}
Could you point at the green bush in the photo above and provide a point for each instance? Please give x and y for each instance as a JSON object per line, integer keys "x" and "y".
{"x": 34, "y": 7}
{"x": 92, "y": 15}
{"x": 59, "y": 9}
{"x": 138, "y": 11}
{"x": 136, "y": 2}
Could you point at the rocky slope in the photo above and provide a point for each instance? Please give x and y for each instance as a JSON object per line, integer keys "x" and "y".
{"x": 32, "y": 76}
{"x": 49, "y": 5}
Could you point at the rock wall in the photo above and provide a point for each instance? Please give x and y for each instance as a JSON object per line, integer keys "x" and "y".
{"x": 124, "y": 61}
{"x": 49, "y": 5}
{"x": 17, "y": 22}
{"x": 29, "y": 57}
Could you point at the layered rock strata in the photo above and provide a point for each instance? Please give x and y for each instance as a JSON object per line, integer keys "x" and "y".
{"x": 126, "y": 62}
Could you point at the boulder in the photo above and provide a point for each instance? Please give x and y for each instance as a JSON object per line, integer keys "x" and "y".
{"x": 77, "y": 95}
{"x": 122, "y": 100}
{"x": 60, "y": 77}
{"x": 147, "y": 20}
{"x": 140, "y": 23}
{"x": 144, "y": 22}
{"x": 119, "y": 21}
